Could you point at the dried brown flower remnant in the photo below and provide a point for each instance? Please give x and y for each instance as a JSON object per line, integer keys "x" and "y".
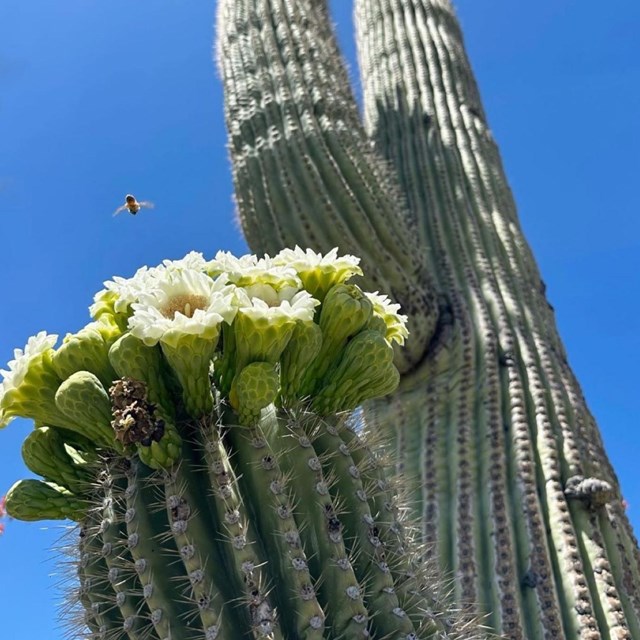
{"x": 134, "y": 420}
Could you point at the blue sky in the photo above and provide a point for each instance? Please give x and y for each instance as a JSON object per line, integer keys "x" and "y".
{"x": 104, "y": 98}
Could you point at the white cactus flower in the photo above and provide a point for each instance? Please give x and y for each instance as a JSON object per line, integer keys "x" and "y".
{"x": 179, "y": 302}
{"x": 319, "y": 272}
{"x": 396, "y": 322}
{"x": 252, "y": 272}
{"x": 19, "y": 366}
{"x": 265, "y": 303}
{"x": 304, "y": 260}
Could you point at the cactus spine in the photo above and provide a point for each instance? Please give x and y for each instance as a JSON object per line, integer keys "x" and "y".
{"x": 516, "y": 494}
{"x": 220, "y": 487}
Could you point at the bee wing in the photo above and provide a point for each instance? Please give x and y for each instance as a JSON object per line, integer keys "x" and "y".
{"x": 147, "y": 204}
{"x": 119, "y": 210}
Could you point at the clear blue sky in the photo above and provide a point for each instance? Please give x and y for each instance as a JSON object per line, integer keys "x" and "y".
{"x": 104, "y": 97}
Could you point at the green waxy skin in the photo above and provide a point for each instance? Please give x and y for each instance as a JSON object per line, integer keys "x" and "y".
{"x": 321, "y": 531}
{"x": 44, "y": 453}
{"x": 253, "y": 389}
{"x": 102, "y": 617}
{"x": 119, "y": 563}
{"x": 150, "y": 561}
{"x": 262, "y": 477}
{"x": 83, "y": 399}
{"x": 37, "y": 500}
{"x": 376, "y": 559}
{"x": 88, "y": 350}
{"x": 301, "y": 350}
{"x": 241, "y": 549}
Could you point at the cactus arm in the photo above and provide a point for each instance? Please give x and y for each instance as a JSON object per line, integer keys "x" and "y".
{"x": 245, "y": 529}
{"x": 514, "y": 424}
{"x": 303, "y": 167}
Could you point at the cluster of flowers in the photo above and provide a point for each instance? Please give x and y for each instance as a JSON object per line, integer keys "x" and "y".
{"x": 186, "y": 305}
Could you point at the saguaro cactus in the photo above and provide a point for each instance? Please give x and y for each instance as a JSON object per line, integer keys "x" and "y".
{"x": 199, "y": 432}
{"x": 509, "y": 475}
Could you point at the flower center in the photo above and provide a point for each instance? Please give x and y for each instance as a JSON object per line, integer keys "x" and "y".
{"x": 185, "y": 304}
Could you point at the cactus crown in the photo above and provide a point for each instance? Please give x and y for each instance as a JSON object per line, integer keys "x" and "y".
{"x": 192, "y": 429}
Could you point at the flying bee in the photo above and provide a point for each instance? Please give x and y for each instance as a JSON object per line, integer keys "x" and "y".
{"x": 132, "y": 205}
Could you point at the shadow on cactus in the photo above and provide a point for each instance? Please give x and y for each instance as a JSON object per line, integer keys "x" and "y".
{"x": 198, "y": 431}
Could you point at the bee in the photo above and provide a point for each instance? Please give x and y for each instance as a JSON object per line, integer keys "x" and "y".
{"x": 132, "y": 205}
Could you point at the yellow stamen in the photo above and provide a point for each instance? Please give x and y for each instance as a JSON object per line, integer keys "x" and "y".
{"x": 185, "y": 304}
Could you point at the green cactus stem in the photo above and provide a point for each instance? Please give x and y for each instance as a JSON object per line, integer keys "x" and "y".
{"x": 502, "y": 460}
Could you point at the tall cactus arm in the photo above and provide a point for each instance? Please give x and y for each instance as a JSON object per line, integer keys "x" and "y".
{"x": 303, "y": 166}
{"x": 502, "y": 431}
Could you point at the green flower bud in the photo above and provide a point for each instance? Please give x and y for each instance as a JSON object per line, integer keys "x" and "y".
{"x": 345, "y": 311}
{"x": 132, "y": 359}
{"x": 82, "y": 398}
{"x": 46, "y": 453}
{"x": 302, "y": 348}
{"x": 88, "y": 350}
{"x": 36, "y": 500}
{"x": 365, "y": 371}
{"x": 253, "y": 389}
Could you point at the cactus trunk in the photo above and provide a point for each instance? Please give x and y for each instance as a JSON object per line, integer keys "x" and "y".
{"x": 253, "y": 535}
{"x": 489, "y": 428}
